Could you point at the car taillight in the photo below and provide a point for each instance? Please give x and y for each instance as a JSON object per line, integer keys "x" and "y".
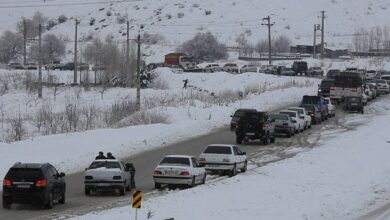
{"x": 7, "y": 182}
{"x": 157, "y": 172}
{"x": 185, "y": 173}
{"x": 41, "y": 183}
{"x": 117, "y": 178}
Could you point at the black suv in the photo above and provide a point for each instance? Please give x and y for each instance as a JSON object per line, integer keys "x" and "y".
{"x": 255, "y": 126}
{"x": 33, "y": 183}
{"x": 300, "y": 67}
{"x": 239, "y": 114}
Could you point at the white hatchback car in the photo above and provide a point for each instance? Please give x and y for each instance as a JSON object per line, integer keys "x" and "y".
{"x": 302, "y": 113}
{"x": 299, "y": 121}
{"x": 179, "y": 170}
{"x": 222, "y": 157}
{"x": 331, "y": 107}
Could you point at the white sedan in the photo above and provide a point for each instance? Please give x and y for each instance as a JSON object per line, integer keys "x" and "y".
{"x": 302, "y": 113}
{"x": 179, "y": 170}
{"x": 299, "y": 121}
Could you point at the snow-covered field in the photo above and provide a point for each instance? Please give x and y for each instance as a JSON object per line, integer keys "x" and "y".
{"x": 342, "y": 178}
{"x": 187, "y": 117}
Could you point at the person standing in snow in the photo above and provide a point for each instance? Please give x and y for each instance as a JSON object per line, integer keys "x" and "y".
{"x": 185, "y": 83}
{"x": 132, "y": 175}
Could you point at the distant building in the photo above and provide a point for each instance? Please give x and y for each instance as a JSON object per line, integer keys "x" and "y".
{"x": 309, "y": 49}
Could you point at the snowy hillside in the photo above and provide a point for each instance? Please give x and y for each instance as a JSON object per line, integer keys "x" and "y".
{"x": 180, "y": 20}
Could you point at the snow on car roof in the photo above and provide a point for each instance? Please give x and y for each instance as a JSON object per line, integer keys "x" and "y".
{"x": 184, "y": 156}
{"x": 221, "y": 145}
{"x": 108, "y": 160}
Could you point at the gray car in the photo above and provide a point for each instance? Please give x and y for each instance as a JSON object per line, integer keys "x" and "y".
{"x": 283, "y": 124}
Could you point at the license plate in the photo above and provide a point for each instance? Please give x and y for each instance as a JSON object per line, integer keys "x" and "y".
{"x": 170, "y": 172}
{"x": 103, "y": 184}
{"x": 353, "y": 104}
{"x": 250, "y": 133}
{"x": 23, "y": 186}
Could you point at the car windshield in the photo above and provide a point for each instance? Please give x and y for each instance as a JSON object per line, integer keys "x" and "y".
{"x": 218, "y": 150}
{"x": 310, "y": 108}
{"x": 279, "y": 117}
{"x": 291, "y": 114}
{"x": 27, "y": 174}
{"x": 300, "y": 111}
{"x": 385, "y": 77}
{"x": 381, "y": 81}
{"x": 175, "y": 161}
{"x": 105, "y": 164}
{"x": 239, "y": 113}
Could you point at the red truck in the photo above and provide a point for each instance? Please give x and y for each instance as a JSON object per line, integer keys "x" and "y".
{"x": 188, "y": 63}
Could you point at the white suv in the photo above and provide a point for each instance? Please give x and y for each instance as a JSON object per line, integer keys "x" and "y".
{"x": 221, "y": 157}
{"x": 107, "y": 174}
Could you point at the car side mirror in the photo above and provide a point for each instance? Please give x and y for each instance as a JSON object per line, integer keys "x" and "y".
{"x": 61, "y": 175}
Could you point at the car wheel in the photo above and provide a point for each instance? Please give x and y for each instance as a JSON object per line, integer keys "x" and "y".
{"x": 157, "y": 185}
{"x": 87, "y": 191}
{"x": 245, "y": 168}
{"x": 204, "y": 178}
{"x": 288, "y": 134}
{"x": 233, "y": 172}
{"x": 62, "y": 200}
{"x": 49, "y": 203}
{"x": 122, "y": 191}
{"x": 266, "y": 140}
{"x": 272, "y": 139}
{"x": 192, "y": 182}
{"x": 239, "y": 140}
{"x": 6, "y": 204}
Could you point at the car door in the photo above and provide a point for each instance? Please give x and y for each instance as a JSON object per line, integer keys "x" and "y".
{"x": 196, "y": 169}
{"x": 239, "y": 157}
{"x": 56, "y": 181}
{"x": 125, "y": 172}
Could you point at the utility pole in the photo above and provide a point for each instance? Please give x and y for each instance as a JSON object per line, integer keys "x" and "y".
{"x": 24, "y": 42}
{"x": 322, "y": 33}
{"x": 128, "y": 76}
{"x": 40, "y": 61}
{"x": 269, "y": 25}
{"x": 75, "y": 54}
{"x": 138, "y": 83}
{"x": 316, "y": 28}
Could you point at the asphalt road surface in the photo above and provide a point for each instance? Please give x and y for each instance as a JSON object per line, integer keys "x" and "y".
{"x": 77, "y": 203}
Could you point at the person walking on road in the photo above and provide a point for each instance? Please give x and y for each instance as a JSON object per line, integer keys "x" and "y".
{"x": 132, "y": 174}
{"x": 185, "y": 83}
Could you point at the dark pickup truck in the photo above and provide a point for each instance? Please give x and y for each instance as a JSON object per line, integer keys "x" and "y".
{"x": 255, "y": 126}
{"x": 319, "y": 102}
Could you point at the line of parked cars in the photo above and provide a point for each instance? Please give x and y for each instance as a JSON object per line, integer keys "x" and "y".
{"x": 55, "y": 65}
{"x": 249, "y": 124}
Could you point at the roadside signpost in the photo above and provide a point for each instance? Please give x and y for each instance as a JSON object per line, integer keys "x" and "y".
{"x": 137, "y": 198}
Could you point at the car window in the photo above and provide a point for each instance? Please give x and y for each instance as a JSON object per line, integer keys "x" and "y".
{"x": 104, "y": 164}
{"x": 279, "y": 117}
{"x": 195, "y": 162}
{"x": 218, "y": 150}
{"x": 27, "y": 174}
{"x": 239, "y": 152}
{"x": 175, "y": 161}
{"x": 54, "y": 171}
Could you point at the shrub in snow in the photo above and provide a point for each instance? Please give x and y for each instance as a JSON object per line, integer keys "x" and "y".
{"x": 121, "y": 19}
{"x": 92, "y": 21}
{"x": 62, "y": 19}
{"x": 152, "y": 39}
{"x": 205, "y": 46}
{"x": 180, "y": 15}
{"x": 195, "y": 5}
{"x": 50, "y": 24}
{"x": 109, "y": 13}
{"x": 207, "y": 12}
{"x": 16, "y": 130}
{"x": 168, "y": 16}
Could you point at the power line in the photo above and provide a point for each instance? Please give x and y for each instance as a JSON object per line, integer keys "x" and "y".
{"x": 63, "y": 4}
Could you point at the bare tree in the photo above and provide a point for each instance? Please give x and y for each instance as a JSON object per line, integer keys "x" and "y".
{"x": 386, "y": 37}
{"x": 17, "y": 130}
{"x": 282, "y": 44}
{"x": 261, "y": 46}
{"x": 52, "y": 49}
{"x": 11, "y": 45}
{"x": 205, "y": 46}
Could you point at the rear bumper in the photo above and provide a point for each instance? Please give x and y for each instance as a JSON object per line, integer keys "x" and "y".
{"x": 25, "y": 197}
{"x": 283, "y": 130}
{"x": 218, "y": 166}
{"x": 173, "y": 180}
{"x": 104, "y": 184}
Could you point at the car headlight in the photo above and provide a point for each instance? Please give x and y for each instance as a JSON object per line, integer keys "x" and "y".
{"x": 319, "y": 90}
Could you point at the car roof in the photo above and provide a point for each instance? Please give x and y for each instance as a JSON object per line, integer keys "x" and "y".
{"x": 29, "y": 165}
{"x": 296, "y": 108}
{"x": 107, "y": 160}
{"x": 288, "y": 111}
{"x": 221, "y": 145}
{"x": 182, "y": 156}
